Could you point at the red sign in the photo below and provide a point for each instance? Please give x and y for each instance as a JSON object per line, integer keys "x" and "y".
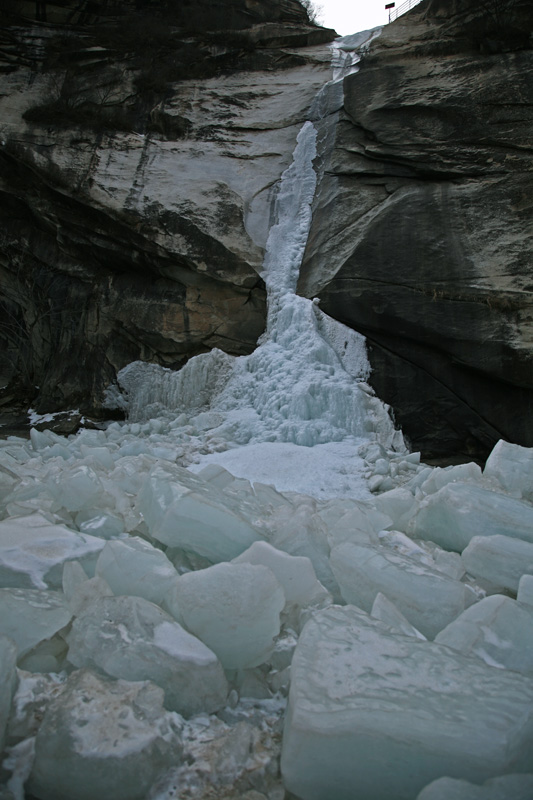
{"x": 390, "y": 5}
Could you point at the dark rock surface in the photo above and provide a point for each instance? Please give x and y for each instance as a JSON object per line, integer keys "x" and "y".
{"x": 423, "y": 226}
{"x": 138, "y": 151}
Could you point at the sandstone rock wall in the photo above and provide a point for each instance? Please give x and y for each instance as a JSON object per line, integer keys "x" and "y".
{"x": 138, "y": 164}
{"x": 423, "y": 228}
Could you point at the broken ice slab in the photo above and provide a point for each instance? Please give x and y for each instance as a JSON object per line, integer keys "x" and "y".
{"x": 499, "y": 560}
{"x": 387, "y": 612}
{"x": 8, "y": 682}
{"x": 399, "y": 505}
{"x": 182, "y": 510}
{"x": 79, "y": 590}
{"x": 352, "y": 520}
{"x": 75, "y": 488}
{"x": 525, "y": 590}
{"x": 460, "y": 511}
{"x": 441, "y": 476}
{"x": 105, "y": 739}
{"x": 29, "y": 616}
{"x": 33, "y": 551}
{"x": 233, "y": 608}
{"x": 426, "y": 597}
{"x": 300, "y": 531}
{"x": 295, "y": 573}
{"x": 498, "y": 630}
{"x": 512, "y": 466}
{"x": 131, "y": 638}
{"x": 134, "y": 567}
{"x": 216, "y": 475}
{"x": 504, "y": 787}
{"x": 378, "y": 715}
{"x": 99, "y": 522}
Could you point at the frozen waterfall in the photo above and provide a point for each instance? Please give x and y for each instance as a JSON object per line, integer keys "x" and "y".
{"x": 303, "y": 387}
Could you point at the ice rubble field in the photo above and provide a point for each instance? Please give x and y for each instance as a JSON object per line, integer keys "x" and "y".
{"x": 252, "y": 586}
{"x": 154, "y": 622}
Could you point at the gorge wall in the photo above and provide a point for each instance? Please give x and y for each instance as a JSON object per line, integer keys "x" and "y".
{"x": 140, "y": 144}
{"x": 422, "y": 231}
{"x": 140, "y": 149}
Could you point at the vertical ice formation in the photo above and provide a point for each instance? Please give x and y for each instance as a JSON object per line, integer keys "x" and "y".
{"x": 300, "y": 385}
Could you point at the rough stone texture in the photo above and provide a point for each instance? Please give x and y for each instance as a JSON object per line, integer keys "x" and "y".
{"x": 421, "y": 237}
{"x": 137, "y": 166}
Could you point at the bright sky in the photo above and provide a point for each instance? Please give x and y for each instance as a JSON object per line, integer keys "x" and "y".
{"x": 352, "y": 16}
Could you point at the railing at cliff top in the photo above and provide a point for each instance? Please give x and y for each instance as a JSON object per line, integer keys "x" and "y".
{"x": 394, "y": 13}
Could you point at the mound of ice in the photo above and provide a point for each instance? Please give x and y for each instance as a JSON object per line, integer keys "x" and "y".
{"x": 131, "y": 638}
{"x": 233, "y": 608}
{"x": 105, "y": 739}
{"x": 152, "y": 390}
{"x": 379, "y": 715}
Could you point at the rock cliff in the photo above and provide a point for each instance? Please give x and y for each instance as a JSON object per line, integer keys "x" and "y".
{"x": 422, "y": 231}
{"x": 139, "y": 147}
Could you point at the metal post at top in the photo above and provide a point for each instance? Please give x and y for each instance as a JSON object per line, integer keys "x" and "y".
{"x": 389, "y": 7}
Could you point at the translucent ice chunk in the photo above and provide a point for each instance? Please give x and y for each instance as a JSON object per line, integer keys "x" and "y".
{"x": 97, "y": 457}
{"x": 383, "y": 714}
{"x": 525, "y": 590}
{"x": 33, "y": 551}
{"x": 76, "y": 488}
{"x": 233, "y": 608}
{"x": 500, "y": 560}
{"x": 426, "y": 597}
{"x": 30, "y": 616}
{"x": 460, "y": 511}
{"x": 131, "y": 638}
{"x": 132, "y": 566}
{"x": 498, "y": 630}
{"x": 295, "y": 573}
{"x": 184, "y": 511}
{"x": 387, "y": 612}
{"x": 299, "y": 531}
{"x": 441, "y": 477}
{"x": 8, "y": 682}
{"x": 504, "y": 787}
{"x": 105, "y": 739}
{"x": 97, "y": 522}
{"x": 399, "y": 504}
{"x": 216, "y": 475}
{"x": 512, "y": 466}
{"x": 80, "y": 590}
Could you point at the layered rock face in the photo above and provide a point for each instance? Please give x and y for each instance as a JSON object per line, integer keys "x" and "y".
{"x": 422, "y": 227}
{"x": 140, "y": 144}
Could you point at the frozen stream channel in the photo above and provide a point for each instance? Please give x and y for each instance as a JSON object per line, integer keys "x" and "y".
{"x": 252, "y": 588}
